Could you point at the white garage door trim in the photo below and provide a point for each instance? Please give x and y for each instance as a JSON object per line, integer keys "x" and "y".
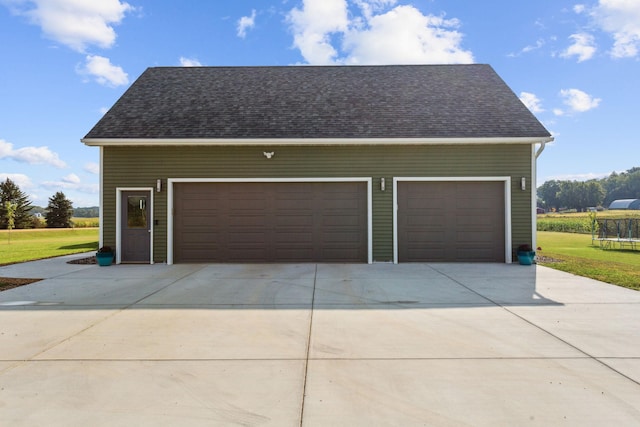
{"x": 170, "y": 213}
{"x": 507, "y": 206}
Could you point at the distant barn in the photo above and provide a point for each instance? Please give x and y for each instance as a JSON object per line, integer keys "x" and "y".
{"x": 625, "y": 204}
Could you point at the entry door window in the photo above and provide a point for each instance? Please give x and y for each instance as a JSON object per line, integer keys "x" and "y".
{"x": 136, "y": 212}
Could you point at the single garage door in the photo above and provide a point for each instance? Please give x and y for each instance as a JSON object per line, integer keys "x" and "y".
{"x": 270, "y": 222}
{"x": 451, "y": 221}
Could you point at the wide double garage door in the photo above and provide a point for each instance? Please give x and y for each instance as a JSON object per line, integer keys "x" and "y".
{"x": 270, "y": 222}
{"x": 451, "y": 221}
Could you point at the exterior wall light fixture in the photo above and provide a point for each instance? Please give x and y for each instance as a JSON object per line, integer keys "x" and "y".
{"x": 158, "y": 185}
{"x": 523, "y": 183}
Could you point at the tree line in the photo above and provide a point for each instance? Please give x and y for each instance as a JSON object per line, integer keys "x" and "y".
{"x": 16, "y": 209}
{"x": 593, "y": 193}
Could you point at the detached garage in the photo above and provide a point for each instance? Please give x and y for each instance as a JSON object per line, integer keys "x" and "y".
{"x": 420, "y": 163}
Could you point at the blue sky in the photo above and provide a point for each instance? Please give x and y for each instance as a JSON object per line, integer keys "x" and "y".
{"x": 65, "y": 62}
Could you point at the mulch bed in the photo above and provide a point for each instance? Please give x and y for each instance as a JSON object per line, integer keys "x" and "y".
{"x": 546, "y": 259}
{"x": 7, "y": 283}
{"x": 88, "y": 260}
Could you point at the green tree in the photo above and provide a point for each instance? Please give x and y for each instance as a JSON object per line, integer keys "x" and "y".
{"x": 59, "y": 211}
{"x": 625, "y": 185}
{"x": 548, "y": 193}
{"x": 594, "y": 194}
{"x": 10, "y": 209}
{"x": 10, "y": 192}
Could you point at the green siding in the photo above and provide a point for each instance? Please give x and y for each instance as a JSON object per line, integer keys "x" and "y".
{"x": 141, "y": 166}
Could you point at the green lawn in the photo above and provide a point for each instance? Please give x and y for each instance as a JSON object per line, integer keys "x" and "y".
{"x": 27, "y": 245}
{"x": 579, "y": 256}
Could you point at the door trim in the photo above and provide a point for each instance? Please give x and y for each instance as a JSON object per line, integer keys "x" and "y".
{"x": 170, "y": 209}
{"x": 119, "y": 191}
{"x": 507, "y": 206}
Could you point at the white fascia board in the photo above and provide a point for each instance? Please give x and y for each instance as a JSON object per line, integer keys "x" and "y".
{"x": 98, "y": 142}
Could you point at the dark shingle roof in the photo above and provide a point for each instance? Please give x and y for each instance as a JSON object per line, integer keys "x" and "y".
{"x": 404, "y": 101}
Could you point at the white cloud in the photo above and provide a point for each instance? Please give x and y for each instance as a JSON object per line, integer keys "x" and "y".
{"x": 74, "y": 23}
{"x": 313, "y": 26}
{"x": 405, "y": 36}
{"x": 30, "y": 155}
{"x": 374, "y": 32}
{"x": 583, "y": 47}
{"x": 103, "y": 71}
{"x": 579, "y": 8}
{"x": 189, "y": 62}
{"x": 579, "y": 176}
{"x": 92, "y": 168}
{"x": 578, "y": 101}
{"x": 246, "y": 23}
{"x": 21, "y": 180}
{"x": 529, "y": 48}
{"x": 620, "y": 18}
{"x": 72, "y": 179}
{"x": 532, "y": 102}
{"x": 368, "y": 7}
{"x": 71, "y": 182}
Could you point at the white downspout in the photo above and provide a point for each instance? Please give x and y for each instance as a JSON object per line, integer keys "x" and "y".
{"x": 541, "y": 149}
{"x": 534, "y": 190}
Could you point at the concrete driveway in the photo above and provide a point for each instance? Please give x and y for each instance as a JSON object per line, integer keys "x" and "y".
{"x": 316, "y": 345}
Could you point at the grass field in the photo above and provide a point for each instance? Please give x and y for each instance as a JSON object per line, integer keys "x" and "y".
{"x": 85, "y": 222}
{"x": 579, "y": 256}
{"x": 27, "y": 245}
{"x": 601, "y": 214}
{"x": 579, "y": 222}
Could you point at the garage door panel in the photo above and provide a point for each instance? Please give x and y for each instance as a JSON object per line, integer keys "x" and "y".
{"x": 450, "y": 221}
{"x": 294, "y": 220}
{"x": 273, "y": 222}
{"x": 246, "y": 238}
{"x": 475, "y": 221}
{"x": 202, "y": 239}
{"x": 294, "y": 237}
{"x": 422, "y": 221}
{"x": 341, "y": 221}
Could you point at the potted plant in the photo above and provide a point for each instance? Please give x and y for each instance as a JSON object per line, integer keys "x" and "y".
{"x": 104, "y": 256}
{"x": 525, "y": 254}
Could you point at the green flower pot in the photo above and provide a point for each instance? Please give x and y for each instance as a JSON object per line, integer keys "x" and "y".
{"x": 526, "y": 258}
{"x": 104, "y": 258}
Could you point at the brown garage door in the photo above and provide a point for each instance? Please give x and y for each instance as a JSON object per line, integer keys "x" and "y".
{"x": 270, "y": 222}
{"x": 451, "y": 221}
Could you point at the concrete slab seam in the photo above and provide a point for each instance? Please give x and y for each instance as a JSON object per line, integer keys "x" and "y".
{"x": 306, "y": 361}
{"x": 573, "y": 346}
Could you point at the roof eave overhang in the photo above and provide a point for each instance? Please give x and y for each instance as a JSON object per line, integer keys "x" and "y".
{"x": 114, "y": 142}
